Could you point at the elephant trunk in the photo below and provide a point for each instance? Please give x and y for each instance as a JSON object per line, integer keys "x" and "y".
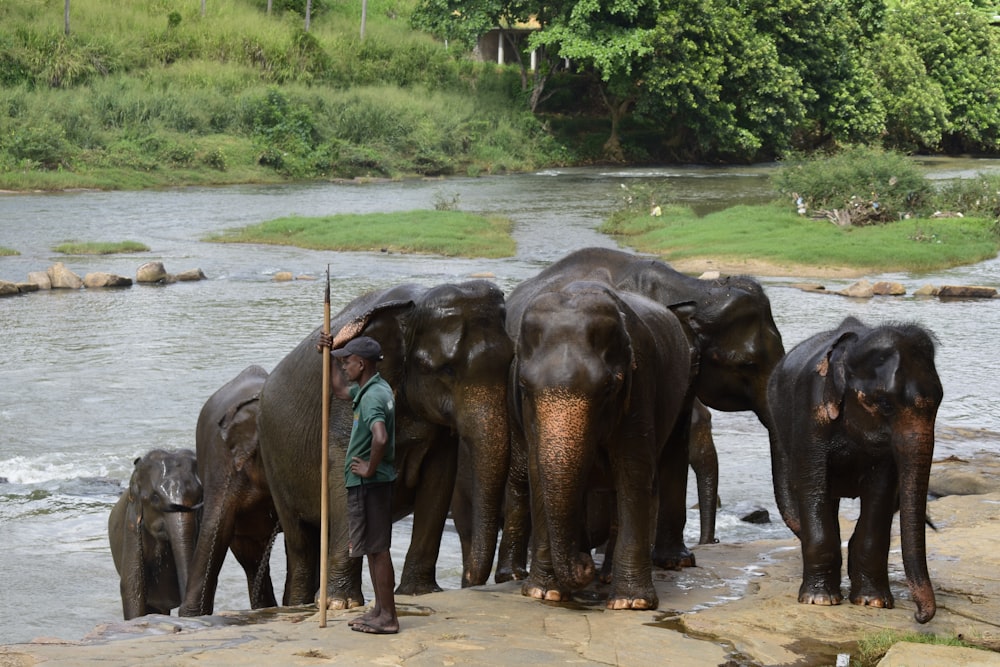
{"x": 490, "y": 445}
{"x": 564, "y": 463}
{"x": 182, "y": 528}
{"x": 913, "y": 447}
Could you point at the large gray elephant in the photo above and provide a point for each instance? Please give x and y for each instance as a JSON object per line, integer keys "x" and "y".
{"x": 152, "y": 531}
{"x": 446, "y": 355}
{"x": 853, "y": 412}
{"x": 602, "y": 395}
{"x": 738, "y": 345}
{"x": 238, "y": 513}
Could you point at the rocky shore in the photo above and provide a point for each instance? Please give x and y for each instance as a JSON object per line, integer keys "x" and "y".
{"x": 736, "y": 608}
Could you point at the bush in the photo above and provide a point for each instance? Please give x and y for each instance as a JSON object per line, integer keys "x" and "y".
{"x": 860, "y": 185}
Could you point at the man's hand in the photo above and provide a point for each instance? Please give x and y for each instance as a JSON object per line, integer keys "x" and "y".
{"x": 325, "y": 340}
{"x": 361, "y": 468}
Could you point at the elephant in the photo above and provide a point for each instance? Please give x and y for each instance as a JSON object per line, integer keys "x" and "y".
{"x": 446, "y": 355}
{"x": 853, "y": 412}
{"x": 738, "y": 345}
{"x": 238, "y": 512}
{"x": 602, "y": 394}
{"x": 152, "y": 531}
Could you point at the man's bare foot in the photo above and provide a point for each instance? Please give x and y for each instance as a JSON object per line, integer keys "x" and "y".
{"x": 377, "y": 626}
{"x": 369, "y": 614}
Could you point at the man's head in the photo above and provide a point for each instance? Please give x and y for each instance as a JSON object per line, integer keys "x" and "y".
{"x": 362, "y": 346}
{"x": 359, "y": 358}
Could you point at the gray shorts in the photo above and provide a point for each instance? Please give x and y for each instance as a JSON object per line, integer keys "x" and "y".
{"x": 369, "y": 518}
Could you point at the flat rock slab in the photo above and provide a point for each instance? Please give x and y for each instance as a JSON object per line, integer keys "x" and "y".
{"x": 738, "y": 607}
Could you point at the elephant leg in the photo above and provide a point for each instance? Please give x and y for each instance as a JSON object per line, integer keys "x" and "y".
{"x": 209, "y": 555}
{"x": 253, "y": 552}
{"x": 512, "y": 560}
{"x": 868, "y": 549}
{"x": 820, "y": 537}
{"x": 632, "y": 579}
{"x": 670, "y": 552}
{"x": 430, "y": 511}
{"x": 302, "y": 554}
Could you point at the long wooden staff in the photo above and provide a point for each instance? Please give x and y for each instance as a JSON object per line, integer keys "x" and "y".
{"x": 324, "y": 532}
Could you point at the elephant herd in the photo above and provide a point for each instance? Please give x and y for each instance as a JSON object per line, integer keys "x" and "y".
{"x": 549, "y": 422}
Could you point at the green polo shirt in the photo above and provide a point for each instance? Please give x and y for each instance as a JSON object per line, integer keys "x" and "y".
{"x": 372, "y": 403}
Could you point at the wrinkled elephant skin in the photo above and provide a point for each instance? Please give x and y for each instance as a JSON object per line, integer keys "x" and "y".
{"x": 446, "y": 356}
{"x": 238, "y": 514}
{"x": 731, "y": 327}
{"x": 152, "y": 531}
{"x": 602, "y": 380}
{"x": 853, "y": 411}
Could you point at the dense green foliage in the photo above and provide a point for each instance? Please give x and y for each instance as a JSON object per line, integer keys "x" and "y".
{"x": 444, "y": 232}
{"x": 148, "y": 92}
{"x": 99, "y": 248}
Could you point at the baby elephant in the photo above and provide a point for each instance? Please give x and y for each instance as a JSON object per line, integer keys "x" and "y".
{"x": 853, "y": 414}
{"x": 152, "y": 530}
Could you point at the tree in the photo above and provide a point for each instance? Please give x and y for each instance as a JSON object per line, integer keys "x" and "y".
{"x": 960, "y": 52}
{"x": 66, "y": 19}
{"x": 456, "y": 21}
{"x": 610, "y": 40}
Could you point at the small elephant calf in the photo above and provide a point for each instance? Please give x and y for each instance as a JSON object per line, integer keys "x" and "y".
{"x": 152, "y": 530}
{"x": 853, "y": 412}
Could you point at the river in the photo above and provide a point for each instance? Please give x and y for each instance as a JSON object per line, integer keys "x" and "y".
{"x": 91, "y": 379}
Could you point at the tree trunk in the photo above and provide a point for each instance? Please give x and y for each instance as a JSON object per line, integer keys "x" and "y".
{"x": 364, "y": 18}
{"x": 66, "y": 19}
{"x": 309, "y": 8}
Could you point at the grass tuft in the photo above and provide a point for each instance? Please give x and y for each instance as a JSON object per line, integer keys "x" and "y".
{"x": 450, "y": 233}
{"x": 99, "y": 248}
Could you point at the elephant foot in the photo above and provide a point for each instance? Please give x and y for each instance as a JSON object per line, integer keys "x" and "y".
{"x": 540, "y": 592}
{"x": 645, "y": 602}
{"x": 341, "y": 603}
{"x": 417, "y": 587}
{"x": 820, "y": 593}
{"x": 674, "y": 559}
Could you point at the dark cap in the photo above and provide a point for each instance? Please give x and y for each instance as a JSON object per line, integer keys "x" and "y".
{"x": 363, "y": 346}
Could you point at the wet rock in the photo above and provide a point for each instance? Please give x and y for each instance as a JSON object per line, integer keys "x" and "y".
{"x": 758, "y": 516}
{"x": 40, "y": 278}
{"x": 8, "y": 288}
{"x": 63, "y": 278}
{"x": 967, "y": 292}
{"x": 103, "y": 279}
{"x": 27, "y": 287}
{"x": 888, "y": 288}
{"x": 809, "y": 287}
{"x": 190, "y": 275}
{"x": 859, "y": 290}
{"x": 926, "y": 290}
{"x": 151, "y": 272}
{"x": 283, "y": 276}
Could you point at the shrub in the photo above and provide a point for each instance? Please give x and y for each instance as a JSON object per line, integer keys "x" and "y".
{"x": 858, "y": 185}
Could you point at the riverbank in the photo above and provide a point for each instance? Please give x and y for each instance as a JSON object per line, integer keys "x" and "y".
{"x": 736, "y": 608}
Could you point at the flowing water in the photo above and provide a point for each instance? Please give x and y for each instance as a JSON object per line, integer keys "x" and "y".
{"x": 92, "y": 379}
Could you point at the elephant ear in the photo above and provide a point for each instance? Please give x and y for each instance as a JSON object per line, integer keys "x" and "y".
{"x": 241, "y": 451}
{"x": 354, "y": 328}
{"x": 686, "y": 313}
{"x": 833, "y": 367}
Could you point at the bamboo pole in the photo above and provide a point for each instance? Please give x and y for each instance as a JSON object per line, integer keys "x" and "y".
{"x": 324, "y": 532}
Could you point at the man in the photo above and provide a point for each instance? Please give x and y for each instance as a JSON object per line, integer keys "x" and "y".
{"x": 369, "y": 473}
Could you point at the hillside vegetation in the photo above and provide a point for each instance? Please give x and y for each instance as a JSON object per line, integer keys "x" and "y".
{"x": 146, "y": 93}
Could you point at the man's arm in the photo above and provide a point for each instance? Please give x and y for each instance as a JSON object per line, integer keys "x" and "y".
{"x": 380, "y": 437}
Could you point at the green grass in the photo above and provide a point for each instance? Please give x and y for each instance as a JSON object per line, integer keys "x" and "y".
{"x": 448, "y": 233}
{"x": 7, "y": 252}
{"x": 775, "y": 234}
{"x": 872, "y": 649}
{"x": 99, "y": 248}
